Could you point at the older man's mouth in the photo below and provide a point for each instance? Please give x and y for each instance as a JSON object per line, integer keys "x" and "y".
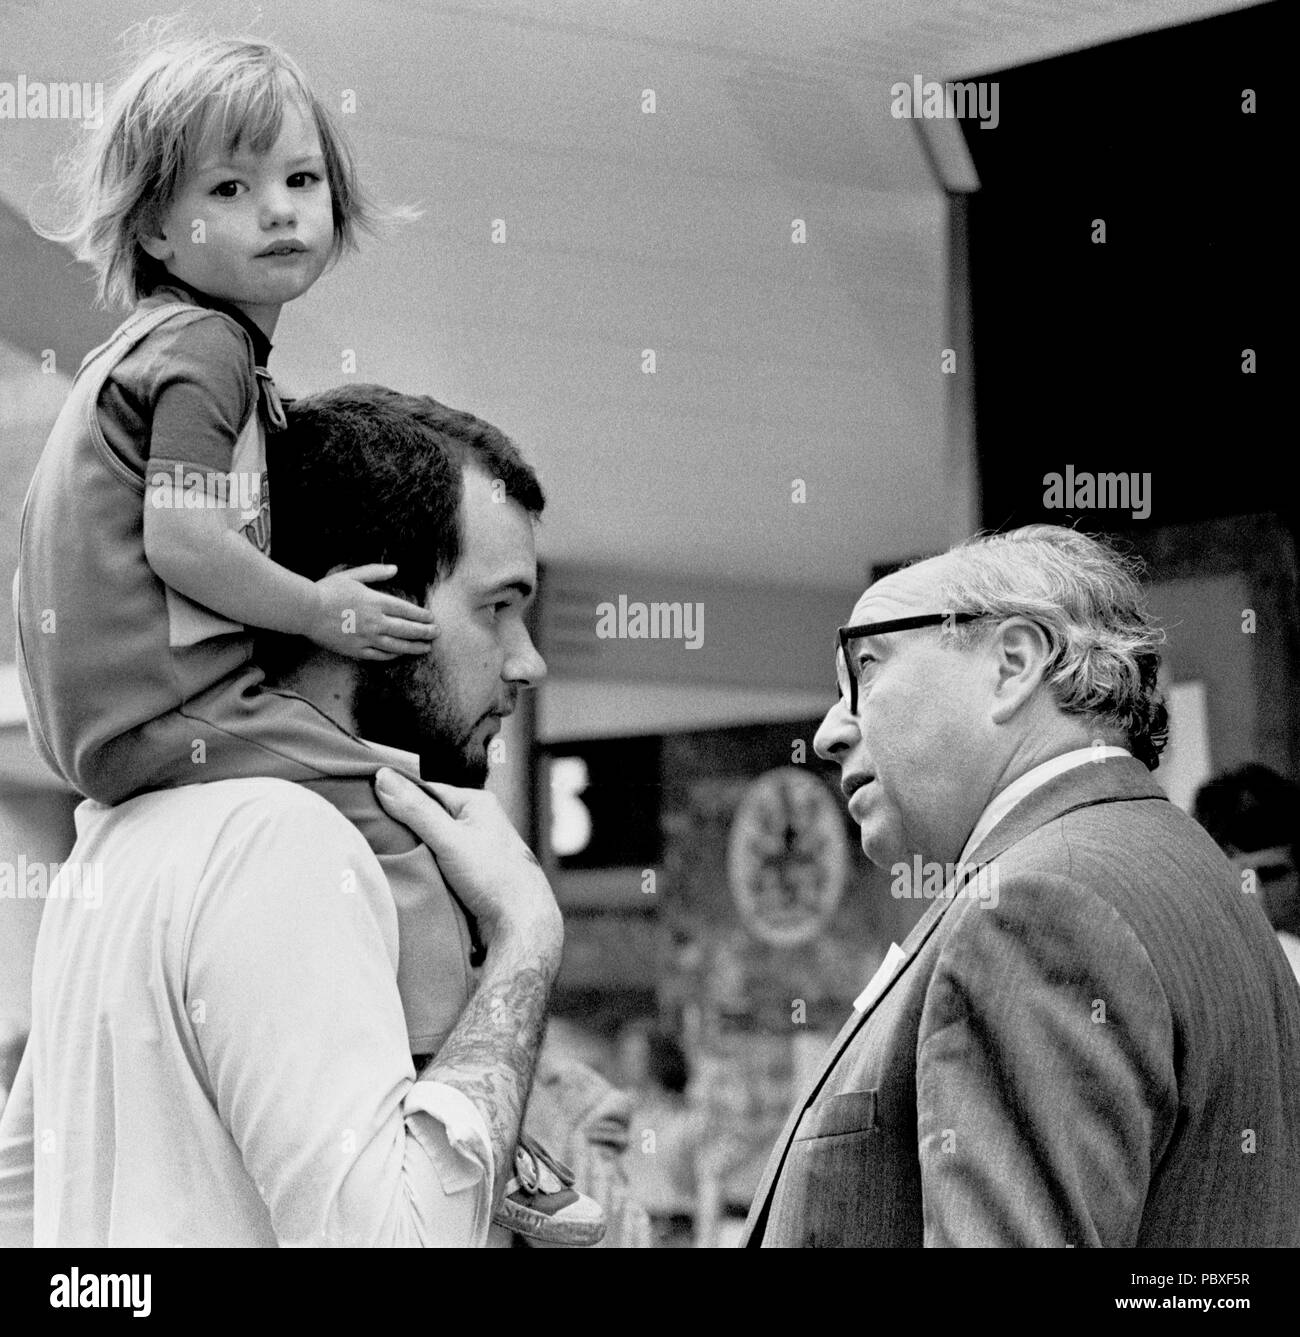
{"x": 850, "y": 784}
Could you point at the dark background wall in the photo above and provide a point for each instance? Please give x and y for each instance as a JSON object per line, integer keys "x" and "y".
{"x": 1127, "y": 355}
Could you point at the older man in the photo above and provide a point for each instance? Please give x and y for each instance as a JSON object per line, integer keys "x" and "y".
{"x": 1090, "y": 1037}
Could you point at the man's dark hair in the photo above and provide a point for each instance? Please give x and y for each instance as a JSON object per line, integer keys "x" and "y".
{"x": 366, "y": 474}
{"x": 1250, "y": 808}
{"x": 666, "y": 1061}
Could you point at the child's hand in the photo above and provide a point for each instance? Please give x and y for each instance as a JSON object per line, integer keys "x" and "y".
{"x": 352, "y": 619}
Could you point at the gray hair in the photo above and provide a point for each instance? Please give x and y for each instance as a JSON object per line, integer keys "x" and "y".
{"x": 1087, "y": 597}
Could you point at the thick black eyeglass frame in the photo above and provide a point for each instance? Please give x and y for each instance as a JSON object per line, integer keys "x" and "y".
{"x": 848, "y": 634}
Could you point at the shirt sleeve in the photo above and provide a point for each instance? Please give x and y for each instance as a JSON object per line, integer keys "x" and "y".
{"x": 1045, "y": 1082}
{"x": 292, "y": 953}
{"x": 199, "y": 388}
{"x": 17, "y": 1162}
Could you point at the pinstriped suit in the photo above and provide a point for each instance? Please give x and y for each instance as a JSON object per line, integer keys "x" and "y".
{"x": 1110, "y": 1056}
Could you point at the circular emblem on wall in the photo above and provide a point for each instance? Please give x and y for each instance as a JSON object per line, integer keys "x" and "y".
{"x": 787, "y": 857}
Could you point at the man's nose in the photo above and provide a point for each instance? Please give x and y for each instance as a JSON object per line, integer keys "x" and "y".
{"x": 525, "y": 666}
{"x": 836, "y": 733}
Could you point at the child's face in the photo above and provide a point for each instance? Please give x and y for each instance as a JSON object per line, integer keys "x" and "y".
{"x": 249, "y": 204}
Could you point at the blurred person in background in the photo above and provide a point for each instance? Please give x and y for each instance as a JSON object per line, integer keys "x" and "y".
{"x": 1253, "y": 813}
{"x": 667, "y": 1133}
{"x": 587, "y": 1122}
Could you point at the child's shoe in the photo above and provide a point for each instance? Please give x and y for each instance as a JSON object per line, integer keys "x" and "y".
{"x": 542, "y": 1205}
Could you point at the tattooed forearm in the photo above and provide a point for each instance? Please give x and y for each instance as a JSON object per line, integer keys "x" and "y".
{"x": 491, "y": 1054}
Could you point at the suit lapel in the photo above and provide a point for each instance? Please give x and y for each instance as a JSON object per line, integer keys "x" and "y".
{"x": 912, "y": 944}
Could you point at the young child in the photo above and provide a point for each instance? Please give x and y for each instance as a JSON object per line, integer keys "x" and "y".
{"x": 217, "y": 191}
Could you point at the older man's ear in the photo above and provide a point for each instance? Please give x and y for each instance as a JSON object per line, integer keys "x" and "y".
{"x": 1020, "y": 650}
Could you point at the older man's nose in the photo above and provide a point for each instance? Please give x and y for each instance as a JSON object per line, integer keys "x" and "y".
{"x": 836, "y": 733}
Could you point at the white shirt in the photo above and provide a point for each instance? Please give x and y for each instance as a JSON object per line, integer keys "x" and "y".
{"x": 1291, "y": 947}
{"x": 218, "y": 1054}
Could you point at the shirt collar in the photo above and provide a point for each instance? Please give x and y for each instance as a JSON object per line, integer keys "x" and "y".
{"x": 1006, "y": 799}
{"x": 261, "y": 344}
{"x": 406, "y": 762}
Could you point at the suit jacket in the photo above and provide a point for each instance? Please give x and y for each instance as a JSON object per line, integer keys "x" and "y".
{"x": 1109, "y": 1055}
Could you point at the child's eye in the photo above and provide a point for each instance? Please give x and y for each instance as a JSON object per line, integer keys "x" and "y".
{"x": 228, "y": 190}
{"x": 304, "y": 179}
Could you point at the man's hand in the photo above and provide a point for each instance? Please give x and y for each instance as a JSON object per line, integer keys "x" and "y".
{"x": 491, "y": 1053}
{"x": 352, "y": 619}
{"x": 484, "y": 861}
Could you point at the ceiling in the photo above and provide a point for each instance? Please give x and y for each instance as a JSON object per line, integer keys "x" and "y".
{"x": 627, "y": 231}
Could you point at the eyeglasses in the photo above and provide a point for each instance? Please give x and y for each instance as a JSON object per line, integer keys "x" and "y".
{"x": 850, "y": 634}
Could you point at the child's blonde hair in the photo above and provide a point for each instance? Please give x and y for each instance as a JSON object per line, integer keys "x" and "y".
{"x": 185, "y": 90}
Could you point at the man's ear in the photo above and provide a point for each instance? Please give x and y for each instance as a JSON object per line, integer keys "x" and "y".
{"x": 1021, "y": 650}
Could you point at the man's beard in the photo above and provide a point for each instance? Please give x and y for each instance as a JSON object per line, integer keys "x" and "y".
{"x": 405, "y": 704}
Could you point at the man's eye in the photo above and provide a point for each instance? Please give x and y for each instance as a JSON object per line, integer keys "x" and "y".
{"x": 227, "y": 190}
